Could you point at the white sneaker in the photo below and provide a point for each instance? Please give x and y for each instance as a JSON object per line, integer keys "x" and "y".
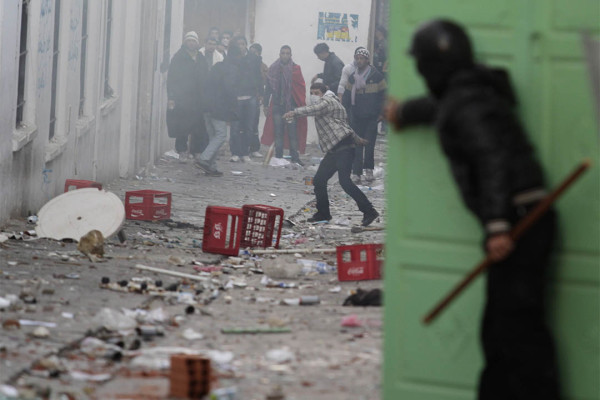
{"x": 234, "y": 159}
{"x": 246, "y": 159}
{"x": 356, "y": 179}
{"x": 256, "y": 154}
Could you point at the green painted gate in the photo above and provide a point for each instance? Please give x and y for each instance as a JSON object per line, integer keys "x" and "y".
{"x": 433, "y": 241}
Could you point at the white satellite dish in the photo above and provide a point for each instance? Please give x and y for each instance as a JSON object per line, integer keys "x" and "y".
{"x": 73, "y": 214}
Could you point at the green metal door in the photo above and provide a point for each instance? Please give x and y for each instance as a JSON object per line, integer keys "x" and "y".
{"x": 433, "y": 241}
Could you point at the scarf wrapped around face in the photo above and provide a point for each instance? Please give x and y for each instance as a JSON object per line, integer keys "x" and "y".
{"x": 280, "y": 79}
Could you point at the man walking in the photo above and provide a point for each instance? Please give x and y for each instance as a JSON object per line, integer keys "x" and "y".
{"x": 365, "y": 94}
{"x": 332, "y": 70}
{"x": 250, "y": 88}
{"x": 493, "y": 163}
{"x": 285, "y": 90}
{"x": 185, "y": 91}
{"x": 222, "y": 109}
{"x": 337, "y": 139}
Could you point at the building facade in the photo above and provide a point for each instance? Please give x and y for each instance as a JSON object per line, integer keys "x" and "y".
{"x": 83, "y": 92}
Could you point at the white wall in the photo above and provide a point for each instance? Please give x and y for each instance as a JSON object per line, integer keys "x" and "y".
{"x": 102, "y": 143}
{"x": 295, "y": 23}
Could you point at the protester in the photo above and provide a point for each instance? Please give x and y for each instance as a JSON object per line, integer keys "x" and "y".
{"x": 365, "y": 95}
{"x": 214, "y": 32}
{"x": 186, "y": 98}
{"x": 332, "y": 70}
{"x": 347, "y": 71}
{"x": 256, "y": 49}
{"x": 250, "y": 88}
{"x": 209, "y": 51}
{"x": 380, "y": 52}
{"x": 224, "y": 42}
{"x": 285, "y": 91}
{"x": 493, "y": 163}
{"x": 337, "y": 140}
{"x": 222, "y": 109}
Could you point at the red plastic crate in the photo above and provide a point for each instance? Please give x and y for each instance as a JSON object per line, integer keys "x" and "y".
{"x": 73, "y": 184}
{"x": 222, "y": 230}
{"x": 260, "y": 223}
{"x": 359, "y": 262}
{"x": 147, "y": 205}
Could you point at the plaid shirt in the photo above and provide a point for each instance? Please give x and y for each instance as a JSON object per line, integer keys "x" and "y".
{"x": 330, "y": 118}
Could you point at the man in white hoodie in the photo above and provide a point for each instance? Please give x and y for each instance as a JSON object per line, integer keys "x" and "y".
{"x": 338, "y": 141}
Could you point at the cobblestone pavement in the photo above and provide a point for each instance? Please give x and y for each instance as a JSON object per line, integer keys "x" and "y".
{"x": 74, "y": 357}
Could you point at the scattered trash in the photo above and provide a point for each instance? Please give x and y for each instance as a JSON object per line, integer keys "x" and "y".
{"x": 280, "y": 356}
{"x": 190, "y": 376}
{"x": 255, "y": 330}
{"x": 276, "y": 394}
{"x": 83, "y": 376}
{"x": 32, "y": 219}
{"x": 3, "y": 238}
{"x": 335, "y": 289}
{"x": 28, "y": 322}
{"x": 114, "y": 320}
{"x": 10, "y": 324}
{"x": 351, "y": 321}
{"x": 191, "y": 334}
{"x": 279, "y": 269}
{"x": 364, "y": 298}
{"x": 92, "y": 244}
{"x": 237, "y": 173}
{"x": 312, "y": 266}
{"x": 224, "y": 394}
{"x": 41, "y": 332}
{"x": 175, "y": 260}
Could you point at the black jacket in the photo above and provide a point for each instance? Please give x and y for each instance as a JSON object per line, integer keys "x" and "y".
{"x": 489, "y": 153}
{"x": 251, "y": 80}
{"x": 223, "y": 82}
{"x": 186, "y": 81}
{"x": 332, "y": 72}
{"x": 368, "y": 101}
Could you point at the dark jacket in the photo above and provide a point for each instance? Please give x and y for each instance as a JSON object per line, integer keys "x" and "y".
{"x": 223, "y": 82}
{"x": 186, "y": 80}
{"x": 490, "y": 156}
{"x": 332, "y": 72}
{"x": 186, "y": 86}
{"x": 368, "y": 101}
{"x": 251, "y": 81}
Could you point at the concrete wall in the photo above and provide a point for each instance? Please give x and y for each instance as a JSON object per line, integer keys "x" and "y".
{"x": 102, "y": 143}
{"x": 280, "y": 22}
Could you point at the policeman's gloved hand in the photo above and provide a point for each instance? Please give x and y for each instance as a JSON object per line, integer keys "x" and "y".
{"x": 499, "y": 246}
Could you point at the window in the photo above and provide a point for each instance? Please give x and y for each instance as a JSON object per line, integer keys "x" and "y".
{"x": 22, "y": 60}
{"x": 54, "y": 67}
{"x": 84, "y": 39}
{"x": 164, "y": 66}
{"x": 108, "y": 92}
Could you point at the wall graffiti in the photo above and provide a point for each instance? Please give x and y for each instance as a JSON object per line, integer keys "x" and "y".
{"x": 338, "y": 27}
{"x": 45, "y": 45}
{"x": 75, "y": 36}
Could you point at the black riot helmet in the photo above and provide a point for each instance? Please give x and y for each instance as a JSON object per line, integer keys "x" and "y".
{"x": 441, "y": 48}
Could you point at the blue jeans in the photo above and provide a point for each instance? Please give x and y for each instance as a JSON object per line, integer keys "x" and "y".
{"x": 242, "y": 131}
{"x": 217, "y": 134}
{"x": 280, "y": 126}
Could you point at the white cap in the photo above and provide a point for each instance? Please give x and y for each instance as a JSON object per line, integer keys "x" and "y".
{"x": 191, "y": 36}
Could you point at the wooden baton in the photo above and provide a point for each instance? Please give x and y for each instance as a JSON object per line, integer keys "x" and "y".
{"x": 522, "y": 226}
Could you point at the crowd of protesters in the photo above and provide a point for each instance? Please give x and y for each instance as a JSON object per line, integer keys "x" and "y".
{"x": 224, "y": 83}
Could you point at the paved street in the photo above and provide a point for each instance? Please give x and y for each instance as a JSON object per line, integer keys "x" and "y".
{"x": 78, "y": 356}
